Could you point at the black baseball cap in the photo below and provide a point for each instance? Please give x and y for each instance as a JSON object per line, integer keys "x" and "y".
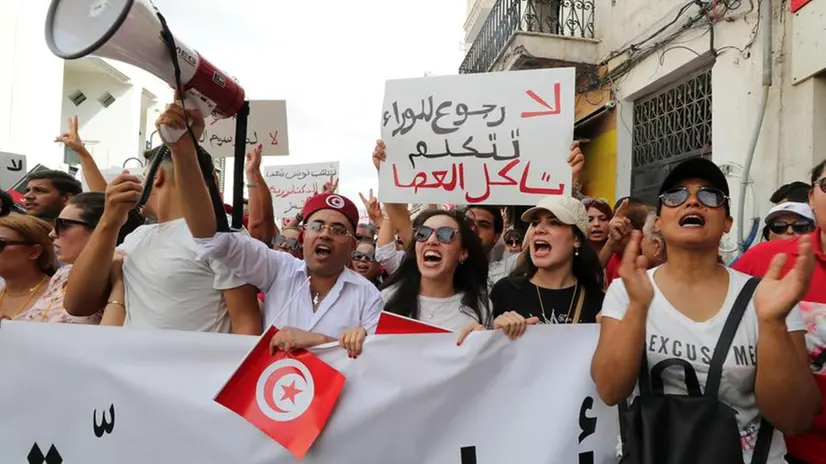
{"x": 696, "y": 168}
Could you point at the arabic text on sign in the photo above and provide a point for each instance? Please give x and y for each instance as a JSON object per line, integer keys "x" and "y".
{"x": 455, "y": 116}
{"x": 468, "y": 150}
{"x": 301, "y": 175}
{"x": 448, "y": 180}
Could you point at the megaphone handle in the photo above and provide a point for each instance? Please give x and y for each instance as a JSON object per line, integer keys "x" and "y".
{"x": 191, "y": 101}
{"x": 170, "y": 134}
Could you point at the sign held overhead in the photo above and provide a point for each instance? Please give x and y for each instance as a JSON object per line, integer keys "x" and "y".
{"x": 495, "y": 138}
{"x": 267, "y": 125}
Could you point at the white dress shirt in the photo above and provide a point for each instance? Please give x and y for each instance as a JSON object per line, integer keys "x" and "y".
{"x": 352, "y": 302}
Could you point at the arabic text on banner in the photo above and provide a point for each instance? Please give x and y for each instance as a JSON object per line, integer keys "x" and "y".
{"x": 292, "y": 185}
{"x": 100, "y": 395}
{"x": 266, "y": 124}
{"x": 495, "y": 138}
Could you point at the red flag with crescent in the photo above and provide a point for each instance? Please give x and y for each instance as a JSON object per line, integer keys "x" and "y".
{"x": 288, "y": 397}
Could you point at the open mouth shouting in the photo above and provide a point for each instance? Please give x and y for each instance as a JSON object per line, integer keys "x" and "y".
{"x": 323, "y": 251}
{"x": 431, "y": 258}
{"x": 541, "y": 248}
{"x": 692, "y": 220}
{"x": 362, "y": 267}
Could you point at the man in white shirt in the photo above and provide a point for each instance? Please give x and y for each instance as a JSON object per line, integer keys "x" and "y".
{"x": 312, "y": 301}
{"x": 166, "y": 287}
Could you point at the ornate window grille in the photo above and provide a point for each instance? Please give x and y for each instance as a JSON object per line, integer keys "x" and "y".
{"x": 670, "y": 126}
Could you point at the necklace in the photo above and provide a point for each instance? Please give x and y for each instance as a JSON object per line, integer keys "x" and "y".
{"x": 317, "y": 299}
{"x": 45, "y": 313}
{"x": 553, "y": 320}
{"x": 32, "y": 292}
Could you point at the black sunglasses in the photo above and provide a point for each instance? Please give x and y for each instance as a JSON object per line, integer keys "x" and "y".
{"x": 4, "y": 242}
{"x": 289, "y": 243}
{"x": 443, "y": 234}
{"x": 513, "y": 242}
{"x": 62, "y": 225}
{"x": 359, "y": 256}
{"x": 798, "y": 227}
{"x": 709, "y": 197}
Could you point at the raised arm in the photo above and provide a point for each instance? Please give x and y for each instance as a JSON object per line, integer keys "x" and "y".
{"x": 786, "y": 392}
{"x": 194, "y": 195}
{"x": 261, "y": 217}
{"x": 91, "y": 172}
{"x": 89, "y": 283}
{"x": 616, "y": 362}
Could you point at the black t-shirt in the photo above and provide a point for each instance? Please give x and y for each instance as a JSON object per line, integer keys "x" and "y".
{"x": 523, "y": 297}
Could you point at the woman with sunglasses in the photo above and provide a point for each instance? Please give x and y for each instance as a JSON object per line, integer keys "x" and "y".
{"x": 442, "y": 279}
{"x": 27, "y": 262}
{"x": 289, "y": 241}
{"x": 72, "y": 230}
{"x": 513, "y": 242}
{"x": 677, "y": 311}
{"x": 364, "y": 262}
{"x": 599, "y": 215}
{"x": 788, "y": 220}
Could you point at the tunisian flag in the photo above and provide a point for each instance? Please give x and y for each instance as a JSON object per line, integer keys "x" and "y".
{"x": 393, "y": 324}
{"x": 287, "y": 396}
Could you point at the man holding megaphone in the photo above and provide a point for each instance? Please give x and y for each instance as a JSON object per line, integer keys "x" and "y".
{"x": 167, "y": 287}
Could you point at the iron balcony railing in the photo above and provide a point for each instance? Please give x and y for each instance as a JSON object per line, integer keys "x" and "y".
{"x": 569, "y": 18}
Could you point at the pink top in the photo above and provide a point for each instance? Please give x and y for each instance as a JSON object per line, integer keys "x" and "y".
{"x": 49, "y": 308}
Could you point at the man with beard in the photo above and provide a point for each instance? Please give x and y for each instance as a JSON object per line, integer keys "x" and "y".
{"x": 47, "y": 192}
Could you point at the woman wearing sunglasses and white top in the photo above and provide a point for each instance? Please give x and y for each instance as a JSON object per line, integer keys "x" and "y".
{"x": 676, "y": 312}
{"x": 442, "y": 279}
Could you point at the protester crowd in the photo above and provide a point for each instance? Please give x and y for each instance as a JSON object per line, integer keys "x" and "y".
{"x": 650, "y": 275}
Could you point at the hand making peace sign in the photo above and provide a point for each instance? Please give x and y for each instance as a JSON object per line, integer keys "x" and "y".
{"x": 373, "y": 207}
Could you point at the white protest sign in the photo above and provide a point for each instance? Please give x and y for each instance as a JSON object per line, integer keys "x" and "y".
{"x": 495, "y": 138}
{"x": 12, "y": 168}
{"x": 266, "y": 124}
{"x": 109, "y": 174}
{"x": 102, "y": 395}
{"x": 291, "y": 185}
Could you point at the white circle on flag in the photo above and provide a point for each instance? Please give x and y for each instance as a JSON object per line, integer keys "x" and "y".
{"x": 285, "y": 390}
{"x": 335, "y": 201}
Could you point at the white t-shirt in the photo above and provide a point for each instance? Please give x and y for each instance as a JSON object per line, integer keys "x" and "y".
{"x": 447, "y": 313}
{"x": 670, "y": 334}
{"x": 167, "y": 288}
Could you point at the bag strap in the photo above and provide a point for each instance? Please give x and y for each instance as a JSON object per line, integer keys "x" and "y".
{"x": 715, "y": 371}
{"x": 579, "y": 303}
{"x": 692, "y": 384}
{"x": 764, "y": 443}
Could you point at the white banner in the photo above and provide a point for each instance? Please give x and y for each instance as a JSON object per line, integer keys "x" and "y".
{"x": 266, "y": 124}
{"x": 496, "y": 138}
{"x": 291, "y": 185}
{"x": 101, "y": 395}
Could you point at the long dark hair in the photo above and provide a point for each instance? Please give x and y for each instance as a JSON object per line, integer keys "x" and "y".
{"x": 586, "y": 267}
{"x": 470, "y": 277}
{"x": 91, "y": 205}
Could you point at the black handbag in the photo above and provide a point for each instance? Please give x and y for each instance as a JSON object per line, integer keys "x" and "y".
{"x": 689, "y": 429}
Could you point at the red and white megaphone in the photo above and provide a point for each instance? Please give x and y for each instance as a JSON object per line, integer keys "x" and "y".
{"x": 130, "y": 31}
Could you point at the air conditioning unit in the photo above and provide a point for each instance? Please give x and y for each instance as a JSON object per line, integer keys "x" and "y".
{"x": 77, "y": 97}
{"x": 106, "y": 99}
